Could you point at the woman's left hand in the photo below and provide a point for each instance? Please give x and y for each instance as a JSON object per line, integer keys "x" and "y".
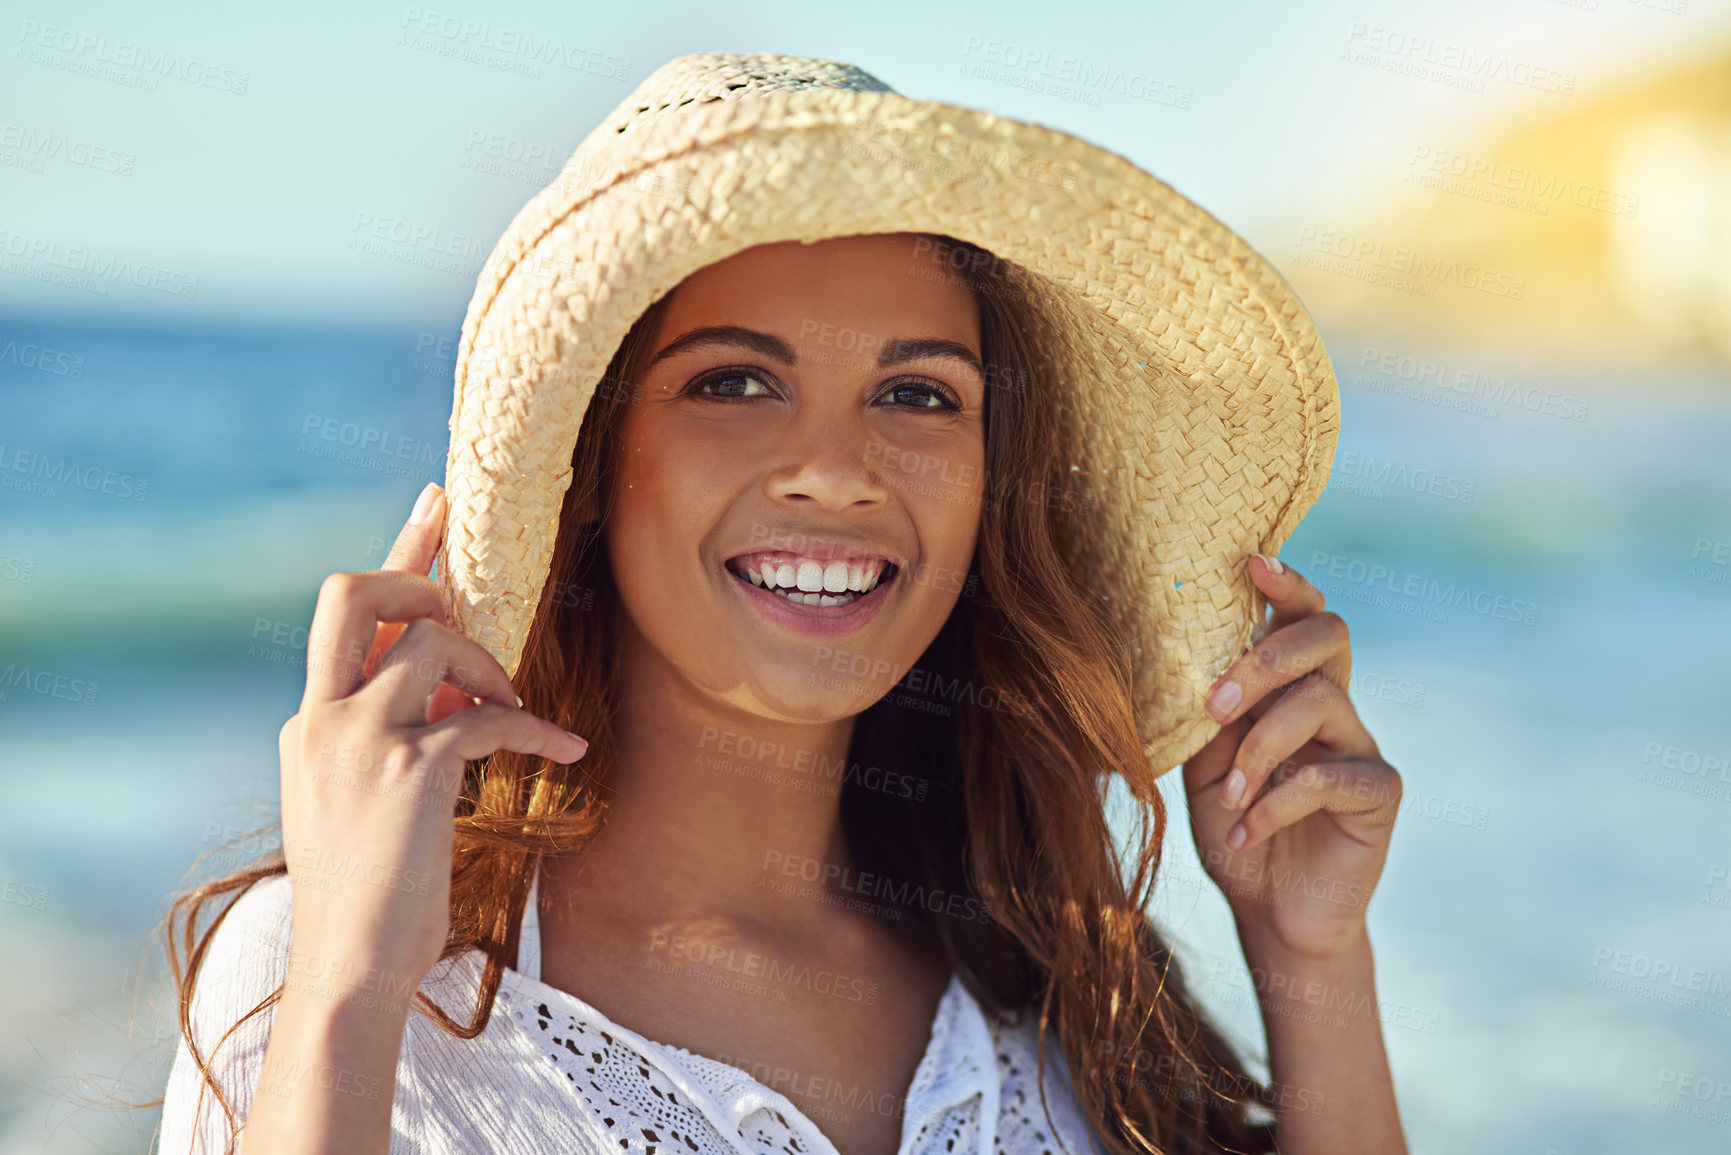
{"x": 1300, "y": 843}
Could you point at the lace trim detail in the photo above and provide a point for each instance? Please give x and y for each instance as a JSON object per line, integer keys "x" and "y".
{"x": 656, "y": 1099}
{"x": 1022, "y": 1125}
{"x": 639, "y": 1105}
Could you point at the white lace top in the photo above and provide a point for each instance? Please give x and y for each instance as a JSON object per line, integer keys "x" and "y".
{"x": 552, "y": 1074}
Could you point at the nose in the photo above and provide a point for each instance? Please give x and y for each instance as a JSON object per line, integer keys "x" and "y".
{"x": 827, "y": 458}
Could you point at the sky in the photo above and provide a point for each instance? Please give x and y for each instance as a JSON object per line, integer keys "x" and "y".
{"x": 280, "y": 133}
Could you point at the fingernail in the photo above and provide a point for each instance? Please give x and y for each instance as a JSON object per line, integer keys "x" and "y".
{"x": 1225, "y": 697}
{"x": 520, "y": 705}
{"x": 583, "y": 743}
{"x": 1236, "y": 838}
{"x": 423, "y": 503}
{"x": 1233, "y": 789}
{"x": 1273, "y": 564}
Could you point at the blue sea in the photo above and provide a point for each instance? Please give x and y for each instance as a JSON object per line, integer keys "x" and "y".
{"x": 1540, "y": 612}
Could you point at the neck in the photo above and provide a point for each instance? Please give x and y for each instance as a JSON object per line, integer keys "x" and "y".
{"x": 710, "y": 805}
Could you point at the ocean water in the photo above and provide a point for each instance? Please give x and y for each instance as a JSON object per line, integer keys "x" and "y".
{"x": 1540, "y": 637}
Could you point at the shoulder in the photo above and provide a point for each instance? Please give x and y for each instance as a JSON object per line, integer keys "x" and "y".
{"x": 1026, "y": 1125}
{"x": 246, "y": 961}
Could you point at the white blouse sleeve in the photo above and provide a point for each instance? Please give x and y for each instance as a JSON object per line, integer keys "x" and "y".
{"x": 247, "y": 960}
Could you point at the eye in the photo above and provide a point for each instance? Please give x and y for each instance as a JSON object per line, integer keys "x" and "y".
{"x": 729, "y": 384}
{"x": 923, "y": 394}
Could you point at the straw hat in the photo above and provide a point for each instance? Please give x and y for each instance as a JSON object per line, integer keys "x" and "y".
{"x": 1196, "y": 403}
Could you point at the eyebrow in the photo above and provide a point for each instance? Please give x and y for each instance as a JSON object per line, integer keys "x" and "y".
{"x": 768, "y": 345}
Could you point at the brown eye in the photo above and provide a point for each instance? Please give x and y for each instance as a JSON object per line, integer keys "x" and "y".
{"x": 922, "y": 395}
{"x": 729, "y": 385}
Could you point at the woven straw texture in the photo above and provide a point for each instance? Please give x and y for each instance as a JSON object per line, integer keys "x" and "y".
{"x": 1196, "y": 400}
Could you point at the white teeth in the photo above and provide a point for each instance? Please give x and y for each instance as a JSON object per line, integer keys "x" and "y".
{"x": 808, "y": 580}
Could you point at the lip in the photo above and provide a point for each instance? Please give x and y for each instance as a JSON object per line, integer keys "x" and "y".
{"x": 818, "y": 620}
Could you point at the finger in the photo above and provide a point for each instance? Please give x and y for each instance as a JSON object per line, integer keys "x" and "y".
{"x": 417, "y": 542}
{"x": 447, "y": 700}
{"x": 428, "y": 655}
{"x": 490, "y": 727}
{"x": 346, "y": 618}
{"x": 413, "y": 552}
{"x": 1313, "y": 710}
{"x": 1209, "y": 765}
{"x": 1290, "y": 594}
{"x": 1364, "y": 790}
{"x": 1320, "y": 641}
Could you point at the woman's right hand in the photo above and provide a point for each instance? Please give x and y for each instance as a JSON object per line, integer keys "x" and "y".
{"x": 372, "y": 764}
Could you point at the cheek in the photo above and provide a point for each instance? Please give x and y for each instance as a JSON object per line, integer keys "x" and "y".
{"x": 946, "y": 507}
{"x": 667, "y": 497}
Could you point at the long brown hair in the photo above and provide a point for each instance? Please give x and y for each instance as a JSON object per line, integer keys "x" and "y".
{"x": 1015, "y": 816}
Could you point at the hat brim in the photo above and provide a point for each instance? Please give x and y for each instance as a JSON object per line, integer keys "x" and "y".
{"x": 1203, "y": 410}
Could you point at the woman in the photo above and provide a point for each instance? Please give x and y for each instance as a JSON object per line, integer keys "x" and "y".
{"x": 828, "y": 868}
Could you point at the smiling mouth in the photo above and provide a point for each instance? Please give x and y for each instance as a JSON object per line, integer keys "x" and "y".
{"x": 812, "y": 582}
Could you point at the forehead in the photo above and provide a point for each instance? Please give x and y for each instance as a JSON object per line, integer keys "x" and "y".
{"x": 878, "y": 284}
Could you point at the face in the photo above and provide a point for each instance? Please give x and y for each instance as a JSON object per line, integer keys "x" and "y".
{"x": 797, "y": 496}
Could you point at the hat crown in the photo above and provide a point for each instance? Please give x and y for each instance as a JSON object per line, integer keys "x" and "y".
{"x": 711, "y": 76}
